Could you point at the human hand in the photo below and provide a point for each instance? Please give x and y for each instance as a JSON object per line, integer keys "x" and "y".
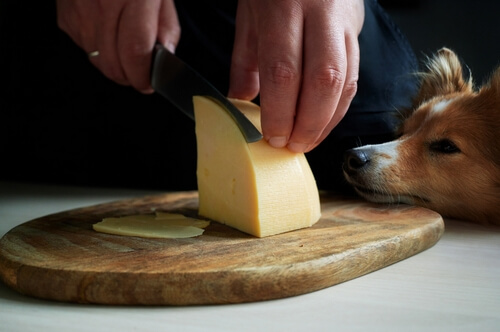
{"x": 303, "y": 56}
{"x": 124, "y": 33}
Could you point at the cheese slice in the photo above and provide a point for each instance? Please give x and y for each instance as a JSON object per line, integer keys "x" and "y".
{"x": 254, "y": 187}
{"x": 161, "y": 225}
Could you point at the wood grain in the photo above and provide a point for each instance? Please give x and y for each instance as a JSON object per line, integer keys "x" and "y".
{"x": 60, "y": 257}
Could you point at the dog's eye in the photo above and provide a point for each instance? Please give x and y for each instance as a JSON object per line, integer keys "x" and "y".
{"x": 444, "y": 146}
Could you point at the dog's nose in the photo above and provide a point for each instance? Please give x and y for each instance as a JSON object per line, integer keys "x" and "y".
{"x": 355, "y": 159}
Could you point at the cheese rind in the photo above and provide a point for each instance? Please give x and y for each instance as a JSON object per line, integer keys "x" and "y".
{"x": 252, "y": 187}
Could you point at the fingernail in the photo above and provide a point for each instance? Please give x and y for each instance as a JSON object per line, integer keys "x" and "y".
{"x": 298, "y": 147}
{"x": 278, "y": 141}
{"x": 170, "y": 47}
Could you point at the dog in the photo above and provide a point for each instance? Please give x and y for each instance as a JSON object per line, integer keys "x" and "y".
{"x": 446, "y": 156}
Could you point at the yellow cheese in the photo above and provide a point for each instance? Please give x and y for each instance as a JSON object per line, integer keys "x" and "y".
{"x": 254, "y": 187}
{"x": 161, "y": 225}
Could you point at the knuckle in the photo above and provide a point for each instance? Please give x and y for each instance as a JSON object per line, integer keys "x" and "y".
{"x": 282, "y": 73}
{"x": 350, "y": 89}
{"x": 312, "y": 133}
{"x": 327, "y": 78}
{"x": 314, "y": 128}
{"x": 309, "y": 130}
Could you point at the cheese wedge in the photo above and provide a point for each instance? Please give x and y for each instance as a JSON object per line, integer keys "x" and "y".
{"x": 252, "y": 187}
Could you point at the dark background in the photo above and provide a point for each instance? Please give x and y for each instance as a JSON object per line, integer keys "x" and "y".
{"x": 470, "y": 28}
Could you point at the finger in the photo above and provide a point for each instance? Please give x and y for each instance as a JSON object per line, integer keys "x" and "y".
{"x": 106, "y": 42}
{"x": 325, "y": 66}
{"x": 137, "y": 34}
{"x": 76, "y": 18}
{"x": 280, "y": 67}
{"x": 244, "y": 74}
{"x": 169, "y": 30}
{"x": 349, "y": 90}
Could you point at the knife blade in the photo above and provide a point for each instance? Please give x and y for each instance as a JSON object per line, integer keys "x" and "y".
{"x": 177, "y": 82}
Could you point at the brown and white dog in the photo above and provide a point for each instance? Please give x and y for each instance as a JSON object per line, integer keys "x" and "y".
{"x": 447, "y": 156}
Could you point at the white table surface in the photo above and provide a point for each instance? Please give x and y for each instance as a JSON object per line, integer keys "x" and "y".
{"x": 453, "y": 286}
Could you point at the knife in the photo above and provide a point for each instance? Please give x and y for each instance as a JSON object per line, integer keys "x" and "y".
{"x": 177, "y": 82}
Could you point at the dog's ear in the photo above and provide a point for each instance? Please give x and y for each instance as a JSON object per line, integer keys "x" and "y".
{"x": 487, "y": 104}
{"x": 444, "y": 75}
{"x": 491, "y": 90}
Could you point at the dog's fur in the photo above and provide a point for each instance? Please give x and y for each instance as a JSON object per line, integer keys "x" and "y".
{"x": 447, "y": 157}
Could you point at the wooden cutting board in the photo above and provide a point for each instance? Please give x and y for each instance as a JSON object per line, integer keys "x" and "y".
{"x": 60, "y": 257}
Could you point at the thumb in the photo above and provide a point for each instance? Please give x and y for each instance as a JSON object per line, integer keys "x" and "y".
{"x": 169, "y": 30}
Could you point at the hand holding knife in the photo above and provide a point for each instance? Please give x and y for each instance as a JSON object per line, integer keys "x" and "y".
{"x": 177, "y": 82}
